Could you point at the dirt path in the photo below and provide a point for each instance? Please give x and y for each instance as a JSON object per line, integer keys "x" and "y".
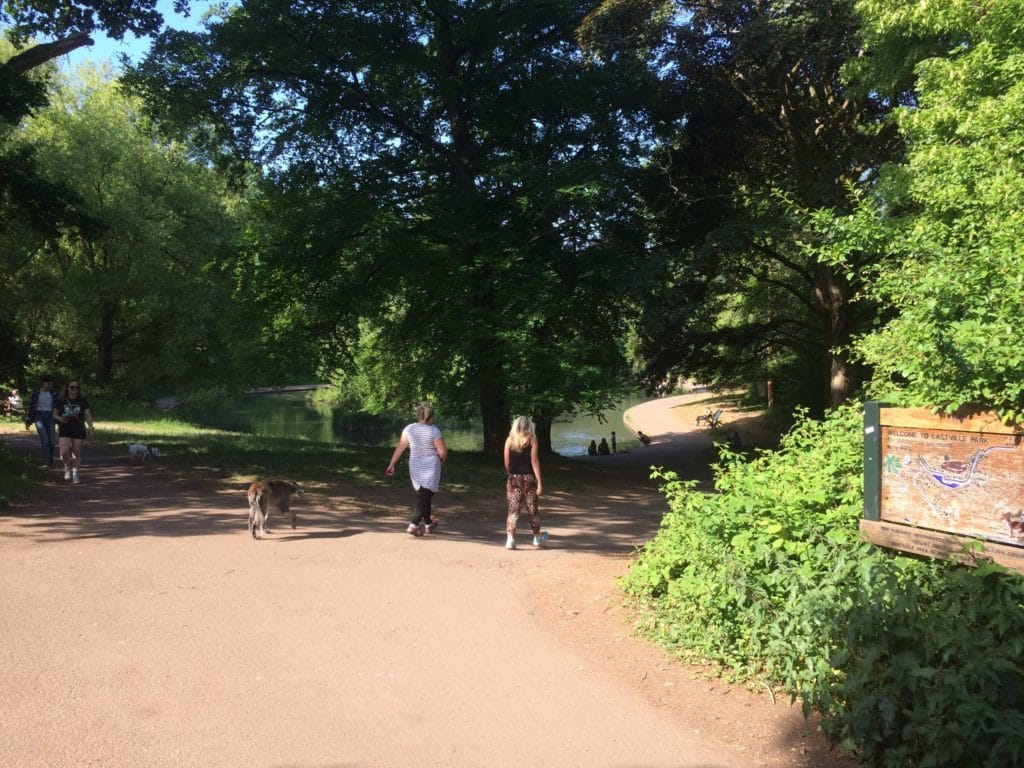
{"x": 141, "y": 626}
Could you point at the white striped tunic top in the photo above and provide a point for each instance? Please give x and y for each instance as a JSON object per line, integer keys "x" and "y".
{"x": 424, "y": 463}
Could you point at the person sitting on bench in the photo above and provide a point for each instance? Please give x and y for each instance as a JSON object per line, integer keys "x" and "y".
{"x": 15, "y": 405}
{"x": 711, "y": 420}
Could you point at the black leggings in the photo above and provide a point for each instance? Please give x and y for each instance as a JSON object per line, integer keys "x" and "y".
{"x": 421, "y": 514}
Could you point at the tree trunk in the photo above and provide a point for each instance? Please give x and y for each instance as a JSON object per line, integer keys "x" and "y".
{"x": 494, "y": 413}
{"x": 543, "y": 434}
{"x": 832, "y": 293}
{"x": 840, "y": 384}
{"x": 105, "y": 344}
{"x": 494, "y": 410}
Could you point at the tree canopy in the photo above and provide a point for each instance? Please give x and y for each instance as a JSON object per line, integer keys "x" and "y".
{"x": 756, "y": 129}
{"x": 135, "y": 279}
{"x": 476, "y": 178}
{"x": 953, "y": 213}
{"x": 456, "y": 200}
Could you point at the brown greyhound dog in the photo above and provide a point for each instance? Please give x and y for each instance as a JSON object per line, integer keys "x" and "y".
{"x": 265, "y": 495}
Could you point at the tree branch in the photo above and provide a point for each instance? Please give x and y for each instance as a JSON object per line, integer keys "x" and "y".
{"x": 44, "y": 52}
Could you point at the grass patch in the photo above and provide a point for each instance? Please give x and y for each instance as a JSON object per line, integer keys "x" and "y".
{"x": 207, "y": 453}
{"x": 18, "y": 475}
{"x": 217, "y": 453}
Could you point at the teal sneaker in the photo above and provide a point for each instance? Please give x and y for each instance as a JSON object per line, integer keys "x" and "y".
{"x": 540, "y": 539}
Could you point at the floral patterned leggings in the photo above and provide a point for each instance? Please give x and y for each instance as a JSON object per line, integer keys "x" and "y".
{"x": 522, "y": 489}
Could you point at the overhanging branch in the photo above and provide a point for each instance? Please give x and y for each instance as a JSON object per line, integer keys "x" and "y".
{"x": 44, "y": 52}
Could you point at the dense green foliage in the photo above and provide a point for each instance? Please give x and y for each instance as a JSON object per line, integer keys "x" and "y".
{"x": 955, "y": 216}
{"x": 909, "y": 662}
{"x": 451, "y": 183}
{"x": 754, "y": 126}
{"x": 723, "y": 571}
{"x": 135, "y": 289}
{"x": 924, "y": 662}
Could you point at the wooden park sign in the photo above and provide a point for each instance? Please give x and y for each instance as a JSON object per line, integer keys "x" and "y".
{"x": 933, "y": 484}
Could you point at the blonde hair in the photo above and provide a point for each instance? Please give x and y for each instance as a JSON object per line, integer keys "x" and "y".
{"x": 424, "y": 412}
{"x": 523, "y": 432}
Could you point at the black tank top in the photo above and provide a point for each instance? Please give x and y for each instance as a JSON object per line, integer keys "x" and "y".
{"x": 519, "y": 461}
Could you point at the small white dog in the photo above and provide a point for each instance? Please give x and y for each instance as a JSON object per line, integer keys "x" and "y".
{"x": 136, "y": 450}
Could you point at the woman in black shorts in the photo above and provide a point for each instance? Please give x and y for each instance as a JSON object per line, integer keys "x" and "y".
{"x": 74, "y": 424}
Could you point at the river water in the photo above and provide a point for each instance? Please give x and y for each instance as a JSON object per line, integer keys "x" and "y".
{"x": 289, "y": 415}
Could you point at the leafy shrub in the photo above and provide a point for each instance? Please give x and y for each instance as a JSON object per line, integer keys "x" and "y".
{"x": 16, "y": 474}
{"x": 910, "y": 662}
{"x": 926, "y": 666}
{"x": 724, "y": 566}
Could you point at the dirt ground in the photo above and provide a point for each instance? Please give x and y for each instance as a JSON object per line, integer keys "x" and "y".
{"x": 142, "y": 626}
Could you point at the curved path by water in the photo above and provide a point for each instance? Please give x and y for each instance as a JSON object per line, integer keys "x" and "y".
{"x": 676, "y": 442}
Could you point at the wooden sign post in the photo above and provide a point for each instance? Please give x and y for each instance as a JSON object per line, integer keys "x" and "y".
{"x": 933, "y": 484}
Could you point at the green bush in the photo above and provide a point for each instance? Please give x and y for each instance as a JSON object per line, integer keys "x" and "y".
{"x": 723, "y": 567}
{"x": 910, "y": 662}
{"x": 926, "y": 666}
{"x": 16, "y": 474}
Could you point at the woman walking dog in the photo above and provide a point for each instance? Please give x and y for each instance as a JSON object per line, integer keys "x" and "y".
{"x": 427, "y": 452}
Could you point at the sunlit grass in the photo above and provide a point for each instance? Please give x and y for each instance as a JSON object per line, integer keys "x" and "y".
{"x": 211, "y": 452}
{"x": 205, "y": 452}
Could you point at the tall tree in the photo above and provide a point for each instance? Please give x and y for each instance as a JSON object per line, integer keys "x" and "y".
{"x": 33, "y": 35}
{"x": 757, "y": 129}
{"x": 136, "y": 290}
{"x": 477, "y": 173}
{"x": 953, "y": 213}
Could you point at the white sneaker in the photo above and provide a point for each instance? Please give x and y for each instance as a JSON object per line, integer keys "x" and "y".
{"x": 510, "y": 542}
{"x": 538, "y": 541}
{"x": 67, "y": 473}
{"x": 74, "y": 476}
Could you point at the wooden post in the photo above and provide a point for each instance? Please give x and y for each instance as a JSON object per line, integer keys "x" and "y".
{"x": 872, "y": 460}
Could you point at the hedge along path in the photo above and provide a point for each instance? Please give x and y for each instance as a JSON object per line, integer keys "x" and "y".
{"x": 142, "y": 626}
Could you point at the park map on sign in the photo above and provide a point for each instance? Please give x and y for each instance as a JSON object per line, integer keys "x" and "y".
{"x": 968, "y": 483}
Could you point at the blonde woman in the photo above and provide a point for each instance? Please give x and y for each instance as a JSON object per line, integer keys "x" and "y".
{"x": 524, "y": 482}
{"x": 427, "y": 451}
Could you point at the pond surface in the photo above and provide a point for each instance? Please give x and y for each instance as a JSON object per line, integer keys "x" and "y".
{"x": 289, "y": 415}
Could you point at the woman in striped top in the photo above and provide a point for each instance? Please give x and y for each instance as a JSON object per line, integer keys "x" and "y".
{"x": 426, "y": 452}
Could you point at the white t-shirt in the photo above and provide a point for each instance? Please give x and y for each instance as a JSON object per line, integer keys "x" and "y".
{"x": 45, "y": 401}
{"x": 424, "y": 463}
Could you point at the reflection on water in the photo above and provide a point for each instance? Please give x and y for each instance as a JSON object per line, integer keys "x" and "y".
{"x": 289, "y": 415}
